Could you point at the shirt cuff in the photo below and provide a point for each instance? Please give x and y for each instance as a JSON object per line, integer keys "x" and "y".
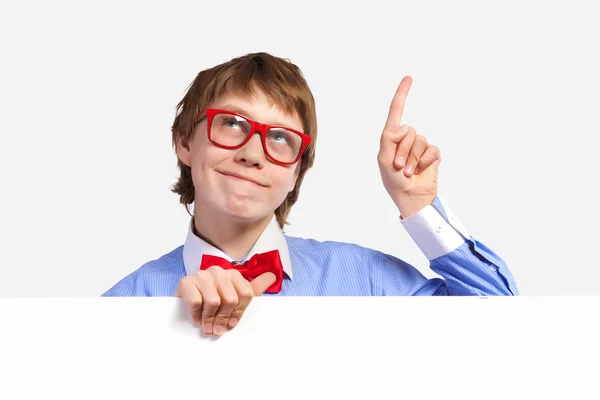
{"x": 440, "y": 205}
{"x": 435, "y": 235}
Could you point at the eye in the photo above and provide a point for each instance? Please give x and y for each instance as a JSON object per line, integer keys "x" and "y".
{"x": 230, "y": 122}
{"x": 278, "y": 136}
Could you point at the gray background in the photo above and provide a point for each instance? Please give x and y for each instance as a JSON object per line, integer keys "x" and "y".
{"x": 509, "y": 92}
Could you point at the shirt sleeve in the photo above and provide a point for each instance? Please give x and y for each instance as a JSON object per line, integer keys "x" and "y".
{"x": 467, "y": 266}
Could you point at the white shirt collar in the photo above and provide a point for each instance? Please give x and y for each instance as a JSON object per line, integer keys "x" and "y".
{"x": 272, "y": 238}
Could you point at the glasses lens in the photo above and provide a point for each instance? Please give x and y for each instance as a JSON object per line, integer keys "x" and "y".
{"x": 229, "y": 130}
{"x": 283, "y": 145}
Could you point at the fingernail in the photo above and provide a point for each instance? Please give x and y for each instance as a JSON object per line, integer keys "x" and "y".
{"x": 219, "y": 330}
{"x": 409, "y": 169}
{"x": 233, "y": 322}
{"x": 400, "y": 161}
{"x": 207, "y": 328}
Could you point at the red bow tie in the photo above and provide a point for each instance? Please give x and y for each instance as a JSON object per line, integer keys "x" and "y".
{"x": 257, "y": 265}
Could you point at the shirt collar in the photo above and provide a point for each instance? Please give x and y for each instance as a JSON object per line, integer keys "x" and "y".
{"x": 271, "y": 238}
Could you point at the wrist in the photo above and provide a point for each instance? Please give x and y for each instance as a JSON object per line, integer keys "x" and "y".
{"x": 413, "y": 206}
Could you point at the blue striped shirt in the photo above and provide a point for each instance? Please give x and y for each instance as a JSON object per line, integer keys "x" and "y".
{"x": 466, "y": 266}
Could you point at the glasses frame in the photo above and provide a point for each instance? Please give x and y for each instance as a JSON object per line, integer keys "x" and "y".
{"x": 254, "y": 127}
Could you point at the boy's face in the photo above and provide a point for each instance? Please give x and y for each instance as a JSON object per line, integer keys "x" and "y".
{"x": 218, "y": 192}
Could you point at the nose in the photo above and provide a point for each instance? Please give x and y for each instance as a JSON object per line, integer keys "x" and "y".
{"x": 252, "y": 153}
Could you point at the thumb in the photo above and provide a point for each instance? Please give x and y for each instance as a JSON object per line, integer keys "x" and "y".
{"x": 388, "y": 144}
{"x": 263, "y": 282}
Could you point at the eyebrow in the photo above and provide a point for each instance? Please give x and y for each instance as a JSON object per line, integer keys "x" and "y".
{"x": 240, "y": 110}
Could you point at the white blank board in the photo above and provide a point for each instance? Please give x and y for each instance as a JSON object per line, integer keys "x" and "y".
{"x": 334, "y": 347}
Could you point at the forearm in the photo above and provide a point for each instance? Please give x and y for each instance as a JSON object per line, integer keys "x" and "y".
{"x": 467, "y": 265}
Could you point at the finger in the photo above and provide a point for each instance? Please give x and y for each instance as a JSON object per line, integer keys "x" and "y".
{"x": 210, "y": 298}
{"x": 245, "y": 292}
{"x": 428, "y": 158}
{"x": 263, "y": 282}
{"x": 229, "y": 301}
{"x": 418, "y": 148}
{"x": 393, "y": 132}
{"x": 188, "y": 290}
{"x": 398, "y": 102}
{"x": 432, "y": 168}
{"x": 403, "y": 148}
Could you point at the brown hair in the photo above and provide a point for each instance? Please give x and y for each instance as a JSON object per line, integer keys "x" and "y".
{"x": 280, "y": 80}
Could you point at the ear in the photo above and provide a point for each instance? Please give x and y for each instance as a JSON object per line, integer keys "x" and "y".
{"x": 183, "y": 151}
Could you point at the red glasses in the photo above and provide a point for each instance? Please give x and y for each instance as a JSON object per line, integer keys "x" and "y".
{"x": 231, "y": 130}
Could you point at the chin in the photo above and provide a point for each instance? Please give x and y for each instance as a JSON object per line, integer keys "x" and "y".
{"x": 245, "y": 210}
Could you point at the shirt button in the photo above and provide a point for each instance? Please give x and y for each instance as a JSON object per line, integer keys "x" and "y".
{"x": 438, "y": 229}
{"x": 492, "y": 268}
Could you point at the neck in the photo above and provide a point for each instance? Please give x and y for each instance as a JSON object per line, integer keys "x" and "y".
{"x": 234, "y": 238}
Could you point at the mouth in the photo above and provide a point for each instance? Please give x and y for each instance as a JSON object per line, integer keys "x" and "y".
{"x": 239, "y": 177}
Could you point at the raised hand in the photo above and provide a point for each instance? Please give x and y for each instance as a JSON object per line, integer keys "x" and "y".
{"x": 407, "y": 162}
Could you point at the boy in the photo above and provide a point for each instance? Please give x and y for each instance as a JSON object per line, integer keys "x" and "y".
{"x": 245, "y": 135}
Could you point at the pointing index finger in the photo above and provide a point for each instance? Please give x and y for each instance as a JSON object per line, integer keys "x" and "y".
{"x": 397, "y": 106}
